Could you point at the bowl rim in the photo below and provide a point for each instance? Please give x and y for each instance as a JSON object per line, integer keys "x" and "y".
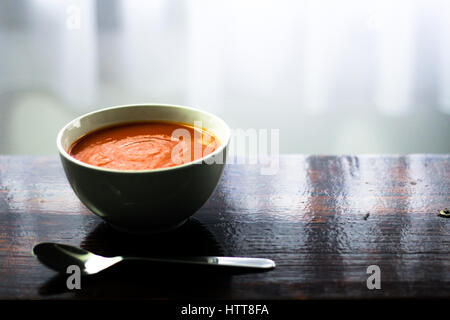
{"x": 68, "y": 157}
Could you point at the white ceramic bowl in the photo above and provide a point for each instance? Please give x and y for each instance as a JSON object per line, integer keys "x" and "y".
{"x": 144, "y": 201}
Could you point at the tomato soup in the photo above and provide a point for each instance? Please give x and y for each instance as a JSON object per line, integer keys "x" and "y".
{"x": 144, "y": 145}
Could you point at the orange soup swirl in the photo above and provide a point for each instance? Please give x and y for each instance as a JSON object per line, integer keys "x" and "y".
{"x": 144, "y": 145}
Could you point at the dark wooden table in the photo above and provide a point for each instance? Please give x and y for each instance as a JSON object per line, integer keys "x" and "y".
{"x": 323, "y": 219}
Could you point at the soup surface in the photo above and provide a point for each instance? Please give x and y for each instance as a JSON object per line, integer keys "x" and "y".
{"x": 144, "y": 145}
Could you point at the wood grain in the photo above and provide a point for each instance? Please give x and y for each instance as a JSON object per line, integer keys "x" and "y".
{"x": 323, "y": 219}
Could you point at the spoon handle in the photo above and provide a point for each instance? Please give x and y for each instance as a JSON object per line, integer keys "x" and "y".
{"x": 237, "y": 262}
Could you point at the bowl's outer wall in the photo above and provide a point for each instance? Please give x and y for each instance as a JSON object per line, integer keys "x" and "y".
{"x": 152, "y": 200}
{"x": 147, "y": 200}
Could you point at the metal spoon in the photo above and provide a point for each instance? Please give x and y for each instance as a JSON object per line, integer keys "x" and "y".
{"x": 59, "y": 256}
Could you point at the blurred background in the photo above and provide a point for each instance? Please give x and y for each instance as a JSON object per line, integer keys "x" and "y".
{"x": 348, "y": 76}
